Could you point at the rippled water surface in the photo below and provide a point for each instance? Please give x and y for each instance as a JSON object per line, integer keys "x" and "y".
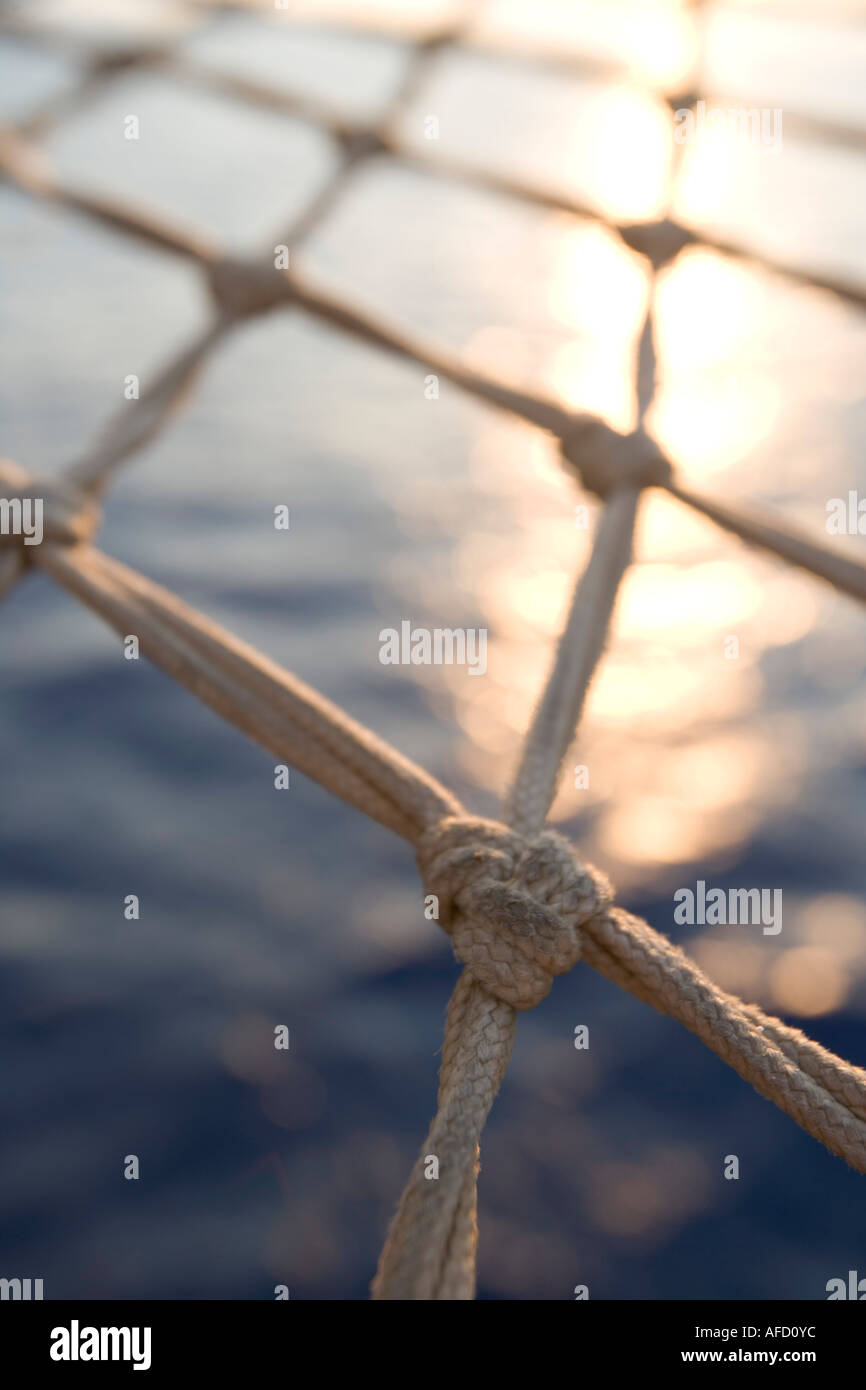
{"x": 261, "y": 907}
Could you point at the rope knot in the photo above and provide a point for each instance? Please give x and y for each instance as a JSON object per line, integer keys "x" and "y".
{"x": 513, "y": 907}
{"x": 244, "y": 288}
{"x": 35, "y": 510}
{"x": 606, "y": 459}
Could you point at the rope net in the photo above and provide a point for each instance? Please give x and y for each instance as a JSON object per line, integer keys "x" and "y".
{"x": 517, "y": 902}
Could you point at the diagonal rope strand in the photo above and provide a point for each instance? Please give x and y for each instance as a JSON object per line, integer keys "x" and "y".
{"x": 519, "y": 906}
{"x": 430, "y": 1250}
{"x": 428, "y": 1217}
{"x": 822, "y": 1093}
{"x": 578, "y": 654}
{"x": 269, "y": 705}
{"x": 846, "y": 575}
{"x": 293, "y": 720}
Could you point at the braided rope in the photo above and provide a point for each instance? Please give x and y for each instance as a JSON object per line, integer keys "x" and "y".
{"x": 519, "y": 906}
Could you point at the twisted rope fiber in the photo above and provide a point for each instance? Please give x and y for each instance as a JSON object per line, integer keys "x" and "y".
{"x": 521, "y": 909}
{"x": 601, "y": 457}
{"x": 241, "y": 287}
{"x": 518, "y": 905}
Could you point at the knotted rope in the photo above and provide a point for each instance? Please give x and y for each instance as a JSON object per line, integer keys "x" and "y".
{"x": 520, "y": 913}
{"x": 512, "y": 907}
{"x": 68, "y": 515}
{"x": 607, "y": 461}
{"x": 519, "y": 906}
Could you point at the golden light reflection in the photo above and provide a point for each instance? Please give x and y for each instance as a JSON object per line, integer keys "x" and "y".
{"x": 597, "y": 290}
{"x": 662, "y": 43}
{"x": 415, "y": 17}
{"x": 789, "y": 607}
{"x": 663, "y": 830}
{"x": 723, "y": 771}
{"x": 128, "y": 20}
{"x": 708, "y": 424}
{"x": 836, "y": 922}
{"x": 627, "y": 148}
{"x": 482, "y": 722}
{"x": 487, "y": 768}
{"x": 661, "y": 691}
{"x": 388, "y": 923}
{"x": 523, "y": 605}
{"x": 808, "y": 981}
{"x": 658, "y": 797}
{"x": 711, "y": 176}
{"x": 667, "y": 532}
{"x": 681, "y": 768}
{"x": 655, "y": 39}
{"x": 516, "y": 672}
{"x": 735, "y": 966}
{"x": 501, "y": 351}
{"x": 518, "y": 463}
{"x": 703, "y": 288}
{"x": 597, "y": 285}
{"x": 691, "y": 602}
{"x": 538, "y": 599}
{"x": 715, "y": 402}
{"x": 584, "y": 378}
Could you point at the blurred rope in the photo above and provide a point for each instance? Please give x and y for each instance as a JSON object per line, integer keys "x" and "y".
{"x": 518, "y": 905}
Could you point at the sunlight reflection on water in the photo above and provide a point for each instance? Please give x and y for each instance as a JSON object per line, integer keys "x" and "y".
{"x": 700, "y": 763}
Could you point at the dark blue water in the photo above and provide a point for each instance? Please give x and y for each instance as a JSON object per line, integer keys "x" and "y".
{"x": 154, "y": 1037}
